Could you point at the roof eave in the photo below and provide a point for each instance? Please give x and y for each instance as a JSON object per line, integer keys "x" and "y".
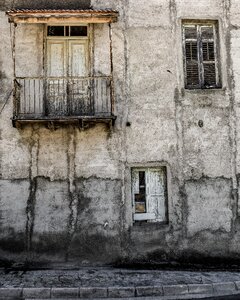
{"x": 62, "y": 17}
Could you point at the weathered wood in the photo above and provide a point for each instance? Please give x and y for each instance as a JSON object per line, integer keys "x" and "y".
{"x": 82, "y": 122}
{"x": 200, "y": 43}
{"x": 63, "y": 96}
{"x": 62, "y": 17}
{"x": 152, "y": 191}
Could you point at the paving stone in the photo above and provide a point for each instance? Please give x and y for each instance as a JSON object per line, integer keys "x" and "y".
{"x": 65, "y": 292}
{"x": 90, "y": 292}
{"x": 200, "y": 288}
{"x": 174, "y": 290}
{"x": 224, "y": 287}
{"x": 35, "y": 293}
{"x": 121, "y": 292}
{"x": 10, "y": 292}
{"x": 143, "y": 291}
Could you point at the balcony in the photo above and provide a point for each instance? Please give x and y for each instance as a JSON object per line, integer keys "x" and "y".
{"x": 69, "y": 100}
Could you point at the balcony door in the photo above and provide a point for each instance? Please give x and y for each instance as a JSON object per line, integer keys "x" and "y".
{"x": 67, "y": 71}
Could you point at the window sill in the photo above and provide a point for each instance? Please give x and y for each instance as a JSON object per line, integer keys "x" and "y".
{"x": 205, "y": 91}
{"x": 152, "y": 225}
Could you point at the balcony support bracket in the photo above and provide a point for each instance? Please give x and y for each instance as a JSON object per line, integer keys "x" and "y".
{"x": 83, "y": 122}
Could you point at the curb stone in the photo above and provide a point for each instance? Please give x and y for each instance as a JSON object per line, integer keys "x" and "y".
{"x": 181, "y": 290}
{"x": 172, "y": 290}
{"x": 237, "y": 283}
{"x": 65, "y": 292}
{"x": 121, "y": 292}
{"x": 10, "y": 292}
{"x": 144, "y": 291}
{"x": 36, "y": 293}
{"x": 93, "y": 292}
{"x": 200, "y": 288}
{"x": 224, "y": 287}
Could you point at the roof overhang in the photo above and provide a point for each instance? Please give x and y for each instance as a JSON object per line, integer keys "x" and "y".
{"x": 62, "y": 16}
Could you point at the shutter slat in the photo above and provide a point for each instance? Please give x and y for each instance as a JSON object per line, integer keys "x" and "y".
{"x": 208, "y": 51}
{"x": 209, "y": 75}
{"x": 192, "y": 74}
{"x": 191, "y": 51}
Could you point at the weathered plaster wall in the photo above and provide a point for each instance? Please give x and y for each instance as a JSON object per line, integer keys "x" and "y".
{"x": 66, "y": 193}
{"x": 165, "y": 128}
{"x": 29, "y": 44}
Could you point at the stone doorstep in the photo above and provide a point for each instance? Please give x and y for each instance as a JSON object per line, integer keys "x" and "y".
{"x": 225, "y": 288}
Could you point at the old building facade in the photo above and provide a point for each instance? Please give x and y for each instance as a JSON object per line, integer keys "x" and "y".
{"x": 119, "y": 130}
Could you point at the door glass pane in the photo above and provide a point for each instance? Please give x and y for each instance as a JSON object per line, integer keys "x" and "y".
{"x": 55, "y": 31}
{"x": 78, "y": 31}
{"x": 66, "y": 30}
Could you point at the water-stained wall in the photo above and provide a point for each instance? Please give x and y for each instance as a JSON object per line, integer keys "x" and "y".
{"x": 66, "y": 192}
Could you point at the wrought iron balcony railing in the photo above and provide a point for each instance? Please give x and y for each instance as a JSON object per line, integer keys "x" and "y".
{"x": 51, "y": 98}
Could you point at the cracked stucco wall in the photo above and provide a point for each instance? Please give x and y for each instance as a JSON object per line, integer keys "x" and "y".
{"x": 66, "y": 193}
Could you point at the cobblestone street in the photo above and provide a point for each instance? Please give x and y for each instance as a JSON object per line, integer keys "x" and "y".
{"x": 104, "y": 277}
{"x": 116, "y": 283}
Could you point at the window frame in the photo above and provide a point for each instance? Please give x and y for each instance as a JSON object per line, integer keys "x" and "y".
{"x": 148, "y": 217}
{"x": 200, "y": 61}
{"x": 87, "y": 39}
{"x": 80, "y": 37}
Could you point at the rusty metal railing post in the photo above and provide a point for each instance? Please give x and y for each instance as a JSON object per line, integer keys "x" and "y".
{"x": 92, "y": 95}
{"x": 16, "y": 98}
{"x": 45, "y": 104}
{"x": 112, "y": 95}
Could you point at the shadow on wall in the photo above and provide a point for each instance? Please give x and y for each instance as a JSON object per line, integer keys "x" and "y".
{"x": 41, "y": 4}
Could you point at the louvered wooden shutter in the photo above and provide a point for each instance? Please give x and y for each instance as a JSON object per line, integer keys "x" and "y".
{"x": 201, "y": 69}
{"x": 208, "y": 56}
{"x": 191, "y": 56}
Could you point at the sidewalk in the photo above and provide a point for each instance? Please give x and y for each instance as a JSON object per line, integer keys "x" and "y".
{"x": 116, "y": 283}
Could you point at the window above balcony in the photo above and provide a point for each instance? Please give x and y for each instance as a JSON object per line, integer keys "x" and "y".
{"x": 63, "y": 71}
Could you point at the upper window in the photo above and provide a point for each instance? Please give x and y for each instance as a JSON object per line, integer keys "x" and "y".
{"x": 67, "y": 31}
{"x": 67, "y": 86}
{"x": 201, "y": 58}
{"x": 149, "y": 192}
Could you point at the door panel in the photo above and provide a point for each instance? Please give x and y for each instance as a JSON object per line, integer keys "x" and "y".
{"x": 156, "y": 194}
{"x": 66, "y": 95}
{"x": 57, "y": 87}
{"x": 77, "y": 60}
{"x": 79, "y": 91}
{"x": 56, "y": 58}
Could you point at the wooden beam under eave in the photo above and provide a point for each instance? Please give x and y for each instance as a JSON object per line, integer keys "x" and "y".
{"x": 62, "y": 19}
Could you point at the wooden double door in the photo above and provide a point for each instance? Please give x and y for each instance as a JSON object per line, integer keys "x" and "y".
{"x": 68, "y": 84}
